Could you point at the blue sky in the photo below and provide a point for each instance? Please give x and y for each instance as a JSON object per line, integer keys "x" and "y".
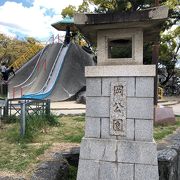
{"x": 26, "y": 3}
{"x": 21, "y": 18}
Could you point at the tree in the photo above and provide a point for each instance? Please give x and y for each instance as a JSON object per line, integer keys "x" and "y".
{"x": 71, "y": 10}
{"x": 68, "y": 11}
{"x": 120, "y": 5}
{"x": 169, "y": 43}
{"x": 84, "y": 7}
{"x": 169, "y": 46}
{"x": 169, "y": 54}
{"x": 31, "y": 40}
{"x": 11, "y": 48}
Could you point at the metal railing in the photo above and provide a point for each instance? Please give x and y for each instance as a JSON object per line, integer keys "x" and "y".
{"x": 34, "y": 106}
{"x": 26, "y": 108}
{"x": 53, "y": 39}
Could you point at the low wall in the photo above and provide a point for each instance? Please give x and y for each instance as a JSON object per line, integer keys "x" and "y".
{"x": 57, "y": 168}
{"x": 169, "y": 163}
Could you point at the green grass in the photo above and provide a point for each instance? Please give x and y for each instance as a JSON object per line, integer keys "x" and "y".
{"x": 72, "y": 173}
{"x": 34, "y": 126}
{"x": 11, "y": 119}
{"x": 18, "y": 153}
{"x": 162, "y": 131}
{"x": 17, "y": 157}
{"x": 70, "y": 129}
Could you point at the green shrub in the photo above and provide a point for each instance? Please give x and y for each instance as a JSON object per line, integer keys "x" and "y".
{"x": 11, "y": 119}
{"x": 35, "y": 124}
{"x": 52, "y": 120}
{"x": 161, "y": 131}
{"x": 79, "y": 118}
{"x": 73, "y": 138}
{"x": 72, "y": 173}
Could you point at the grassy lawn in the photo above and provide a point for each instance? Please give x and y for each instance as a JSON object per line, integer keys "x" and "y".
{"x": 70, "y": 129}
{"x": 161, "y": 132}
{"x": 17, "y": 154}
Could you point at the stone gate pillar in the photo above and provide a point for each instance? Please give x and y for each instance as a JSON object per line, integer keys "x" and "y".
{"x": 118, "y": 142}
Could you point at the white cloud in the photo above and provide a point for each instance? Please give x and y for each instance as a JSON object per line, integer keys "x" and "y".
{"x": 32, "y": 21}
{"x": 7, "y": 31}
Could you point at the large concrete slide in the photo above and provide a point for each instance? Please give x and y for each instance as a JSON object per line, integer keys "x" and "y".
{"x": 33, "y": 74}
{"x": 57, "y": 73}
{"x": 71, "y": 77}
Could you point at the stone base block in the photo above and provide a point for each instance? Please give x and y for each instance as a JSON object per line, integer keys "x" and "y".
{"x": 146, "y": 172}
{"x": 137, "y": 152}
{"x": 88, "y": 170}
{"x": 111, "y": 159}
{"x": 101, "y": 170}
{"x": 98, "y": 149}
{"x": 119, "y": 151}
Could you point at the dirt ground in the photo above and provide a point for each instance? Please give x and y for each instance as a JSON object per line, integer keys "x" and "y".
{"x": 56, "y": 147}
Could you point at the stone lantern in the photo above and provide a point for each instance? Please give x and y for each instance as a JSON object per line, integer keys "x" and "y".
{"x": 118, "y": 142}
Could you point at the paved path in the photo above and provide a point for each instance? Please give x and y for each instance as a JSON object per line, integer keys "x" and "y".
{"x": 176, "y": 109}
{"x": 71, "y": 107}
{"x": 67, "y": 107}
{"x": 174, "y": 103}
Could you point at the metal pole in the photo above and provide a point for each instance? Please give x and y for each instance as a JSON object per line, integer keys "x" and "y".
{"x": 6, "y": 108}
{"x": 48, "y": 109}
{"x": 0, "y": 115}
{"x": 23, "y": 119}
{"x": 155, "y": 55}
{"x": 43, "y": 108}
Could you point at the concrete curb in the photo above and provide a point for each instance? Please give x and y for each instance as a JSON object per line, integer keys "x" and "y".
{"x": 168, "y": 104}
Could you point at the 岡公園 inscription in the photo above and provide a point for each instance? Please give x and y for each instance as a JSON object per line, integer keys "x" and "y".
{"x": 118, "y": 109}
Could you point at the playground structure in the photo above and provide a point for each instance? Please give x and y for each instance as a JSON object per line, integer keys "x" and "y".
{"x": 56, "y": 72}
{"x": 18, "y": 63}
{"x": 34, "y": 64}
{"x": 160, "y": 93}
